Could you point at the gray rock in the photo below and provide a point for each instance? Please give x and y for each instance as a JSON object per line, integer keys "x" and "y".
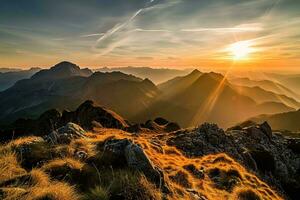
{"x": 65, "y": 134}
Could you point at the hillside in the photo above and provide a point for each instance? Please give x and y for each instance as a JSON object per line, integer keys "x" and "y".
{"x": 268, "y": 85}
{"x": 65, "y": 86}
{"x": 157, "y": 75}
{"x": 113, "y": 161}
{"x": 9, "y": 78}
{"x": 281, "y": 121}
{"x": 261, "y": 96}
{"x": 201, "y": 97}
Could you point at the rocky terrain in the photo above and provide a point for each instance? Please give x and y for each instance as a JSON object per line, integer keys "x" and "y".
{"x": 93, "y": 153}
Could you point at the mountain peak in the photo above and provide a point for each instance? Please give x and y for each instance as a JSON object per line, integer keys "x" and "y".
{"x": 62, "y": 70}
{"x": 65, "y": 65}
{"x": 195, "y": 72}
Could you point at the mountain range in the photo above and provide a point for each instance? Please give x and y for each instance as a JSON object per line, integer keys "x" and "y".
{"x": 187, "y": 99}
{"x": 9, "y": 77}
{"x": 157, "y": 75}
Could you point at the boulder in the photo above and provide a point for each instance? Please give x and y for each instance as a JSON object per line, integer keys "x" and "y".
{"x": 88, "y": 112}
{"x": 172, "y": 126}
{"x": 138, "y": 160}
{"x": 266, "y": 129}
{"x": 161, "y": 121}
{"x": 65, "y": 134}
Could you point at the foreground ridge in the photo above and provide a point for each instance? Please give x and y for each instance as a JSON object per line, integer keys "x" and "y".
{"x": 110, "y": 158}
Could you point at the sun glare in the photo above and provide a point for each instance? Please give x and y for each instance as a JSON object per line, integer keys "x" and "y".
{"x": 240, "y": 50}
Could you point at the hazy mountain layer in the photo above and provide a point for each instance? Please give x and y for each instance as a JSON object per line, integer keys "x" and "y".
{"x": 65, "y": 86}
{"x": 9, "y": 77}
{"x": 157, "y": 75}
{"x": 281, "y": 121}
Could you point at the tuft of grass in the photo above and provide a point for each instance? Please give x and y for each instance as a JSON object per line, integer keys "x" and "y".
{"x": 9, "y": 166}
{"x": 98, "y": 192}
{"x": 67, "y": 169}
{"x": 54, "y": 191}
{"x": 225, "y": 180}
{"x": 246, "y": 194}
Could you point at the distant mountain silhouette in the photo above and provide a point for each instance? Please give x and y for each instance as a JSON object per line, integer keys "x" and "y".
{"x": 268, "y": 85}
{"x": 198, "y": 97}
{"x": 189, "y": 100}
{"x": 62, "y": 70}
{"x": 65, "y": 86}
{"x": 261, "y": 96}
{"x": 289, "y": 80}
{"x": 157, "y": 75}
{"x": 281, "y": 121}
{"x": 9, "y": 78}
{"x": 179, "y": 84}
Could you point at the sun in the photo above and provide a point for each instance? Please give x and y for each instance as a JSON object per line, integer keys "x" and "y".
{"x": 240, "y": 50}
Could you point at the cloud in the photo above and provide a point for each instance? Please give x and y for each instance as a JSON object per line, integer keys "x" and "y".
{"x": 145, "y": 58}
{"x": 92, "y": 35}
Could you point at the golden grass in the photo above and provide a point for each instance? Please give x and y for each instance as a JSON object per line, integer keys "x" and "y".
{"x": 9, "y": 166}
{"x": 56, "y": 163}
{"x": 107, "y": 182}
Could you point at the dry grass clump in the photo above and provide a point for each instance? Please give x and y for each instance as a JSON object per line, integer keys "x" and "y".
{"x": 181, "y": 178}
{"x": 9, "y": 166}
{"x": 67, "y": 169}
{"x": 36, "y": 185}
{"x": 246, "y": 194}
{"x": 225, "y": 180}
{"x": 54, "y": 191}
{"x": 123, "y": 184}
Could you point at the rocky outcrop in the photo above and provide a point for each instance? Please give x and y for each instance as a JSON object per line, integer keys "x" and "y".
{"x": 65, "y": 134}
{"x": 123, "y": 152}
{"x": 275, "y": 158}
{"x": 87, "y": 115}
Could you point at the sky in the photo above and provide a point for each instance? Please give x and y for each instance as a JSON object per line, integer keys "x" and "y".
{"x": 157, "y": 33}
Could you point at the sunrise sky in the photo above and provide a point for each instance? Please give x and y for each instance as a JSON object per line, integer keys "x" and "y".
{"x": 160, "y": 33}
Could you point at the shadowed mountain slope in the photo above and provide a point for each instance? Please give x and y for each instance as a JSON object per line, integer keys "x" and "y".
{"x": 157, "y": 75}
{"x": 261, "y": 96}
{"x": 281, "y": 121}
{"x": 65, "y": 86}
{"x": 9, "y": 78}
{"x": 268, "y": 85}
{"x": 198, "y": 97}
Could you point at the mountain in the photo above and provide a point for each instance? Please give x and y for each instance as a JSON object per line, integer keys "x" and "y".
{"x": 281, "y": 121}
{"x": 157, "y": 75}
{"x": 200, "y": 97}
{"x": 63, "y": 156}
{"x": 9, "y": 78}
{"x": 290, "y": 80}
{"x": 65, "y": 86}
{"x": 179, "y": 84}
{"x": 268, "y": 85}
{"x": 7, "y": 69}
{"x": 62, "y": 70}
{"x": 261, "y": 96}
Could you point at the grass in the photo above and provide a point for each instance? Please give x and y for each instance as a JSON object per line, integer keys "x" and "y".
{"x": 62, "y": 175}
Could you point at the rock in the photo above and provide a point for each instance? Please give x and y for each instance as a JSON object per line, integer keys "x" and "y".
{"x": 161, "y": 121}
{"x": 264, "y": 160}
{"x": 81, "y": 155}
{"x": 172, "y": 126}
{"x": 153, "y": 126}
{"x": 138, "y": 160}
{"x": 194, "y": 171}
{"x": 88, "y": 112}
{"x": 134, "y": 128}
{"x": 266, "y": 128}
{"x": 294, "y": 145}
{"x": 65, "y": 134}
